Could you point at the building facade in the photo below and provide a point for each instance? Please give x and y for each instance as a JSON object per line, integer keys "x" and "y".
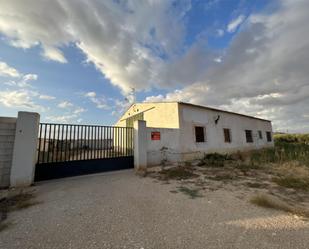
{"x": 180, "y": 131}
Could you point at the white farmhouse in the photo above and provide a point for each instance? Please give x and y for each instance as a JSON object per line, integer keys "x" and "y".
{"x": 178, "y": 131}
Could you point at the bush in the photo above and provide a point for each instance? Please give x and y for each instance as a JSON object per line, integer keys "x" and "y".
{"x": 214, "y": 159}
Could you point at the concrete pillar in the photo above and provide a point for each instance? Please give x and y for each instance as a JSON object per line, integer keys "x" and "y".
{"x": 25, "y": 149}
{"x": 140, "y": 145}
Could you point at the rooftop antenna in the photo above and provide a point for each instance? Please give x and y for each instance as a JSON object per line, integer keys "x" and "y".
{"x": 133, "y": 94}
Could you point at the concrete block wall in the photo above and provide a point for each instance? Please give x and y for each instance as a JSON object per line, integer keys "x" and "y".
{"x": 7, "y": 137}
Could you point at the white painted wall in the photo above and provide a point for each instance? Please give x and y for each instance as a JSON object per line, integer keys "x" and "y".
{"x": 7, "y": 137}
{"x": 166, "y": 149}
{"x": 193, "y": 116}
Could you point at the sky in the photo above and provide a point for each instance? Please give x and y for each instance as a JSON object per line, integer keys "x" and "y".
{"x": 87, "y": 61}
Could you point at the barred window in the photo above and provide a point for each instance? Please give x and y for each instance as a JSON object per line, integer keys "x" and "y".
{"x": 249, "y": 137}
{"x": 227, "y": 135}
{"x": 199, "y": 134}
{"x": 268, "y": 135}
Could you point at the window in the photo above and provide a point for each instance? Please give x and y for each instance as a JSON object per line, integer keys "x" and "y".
{"x": 268, "y": 135}
{"x": 199, "y": 134}
{"x": 260, "y": 135}
{"x": 249, "y": 137}
{"x": 227, "y": 135}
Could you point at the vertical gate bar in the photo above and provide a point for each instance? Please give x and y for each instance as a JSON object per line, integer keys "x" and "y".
{"x": 103, "y": 143}
{"x": 65, "y": 143}
{"x": 91, "y": 153}
{"x": 108, "y": 146}
{"x": 101, "y": 134}
{"x": 74, "y": 141}
{"x": 118, "y": 141}
{"x": 40, "y": 141}
{"x": 86, "y": 144}
{"x": 44, "y": 143}
{"x": 61, "y": 144}
{"x": 54, "y": 137}
{"x": 57, "y": 143}
{"x": 131, "y": 140}
{"x": 81, "y": 143}
{"x": 78, "y": 142}
{"x": 70, "y": 153}
{"x": 95, "y": 142}
{"x": 122, "y": 141}
{"x": 99, "y": 141}
{"x": 111, "y": 141}
{"x": 88, "y": 141}
{"x": 104, "y": 137}
{"x": 49, "y": 132}
{"x": 127, "y": 141}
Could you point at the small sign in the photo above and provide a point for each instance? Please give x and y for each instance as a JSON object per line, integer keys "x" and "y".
{"x": 155, "y": 135}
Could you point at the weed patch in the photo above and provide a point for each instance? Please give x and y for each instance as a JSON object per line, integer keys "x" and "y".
{"x": 192, "y": 193}
{"x": 267, "y": 201}
{"x": 292, "y": 182}
{"x": 177, "y": 173}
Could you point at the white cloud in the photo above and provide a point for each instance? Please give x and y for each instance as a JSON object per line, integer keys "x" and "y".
{"x": 7, "y": 71}
{"x": 100, "y": 102}
{"x": 91, "y": 94}
{"x": 234, "y": 24}
{"x": 46, "y": 97}
{"x": 131, "y": 43}
{"x": 127, "y": 50}
{"x": 270, "y": 81}
{"x": 65, "y": 104}
{"x": 30, "y": 77}
{"x": 79, "y": 110}
{"x": 20, "y": 99}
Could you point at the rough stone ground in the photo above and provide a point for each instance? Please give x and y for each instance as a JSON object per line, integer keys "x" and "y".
{"x": 122, "y": 210}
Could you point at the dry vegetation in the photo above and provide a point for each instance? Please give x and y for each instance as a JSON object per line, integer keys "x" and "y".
{"x": 274, "y": 178}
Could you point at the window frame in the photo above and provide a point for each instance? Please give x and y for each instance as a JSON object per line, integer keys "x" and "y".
{"x": 269, "y": 136}
{"x": 203, "y": 128}
{"x": 260, "y": 134}
{"x": 249, "y": 139}
{"x": 229, "y": 140}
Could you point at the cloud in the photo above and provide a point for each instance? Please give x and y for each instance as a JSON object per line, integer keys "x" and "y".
{"x": 264, "y": 71}
{"x": 46, "y": 97}
{"x": 131, "y": 43}
{"x": 65, "y": 104}
{"x": 234, "y": 24}
{"x": 20, "y": 99}
{"x": 7, "y": 71}
{"x": 100, "y": 102}
{"x": 128, "y": 41}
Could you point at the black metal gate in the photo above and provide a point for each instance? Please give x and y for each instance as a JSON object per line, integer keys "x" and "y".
{"x": 69, "y": 150}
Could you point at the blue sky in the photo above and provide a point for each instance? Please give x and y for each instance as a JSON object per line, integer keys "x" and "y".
{"x": 78, "y": 61}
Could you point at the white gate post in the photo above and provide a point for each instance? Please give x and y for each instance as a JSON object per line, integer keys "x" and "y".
{"x": 25, "y": 149}
{"x": 140, "y": 145}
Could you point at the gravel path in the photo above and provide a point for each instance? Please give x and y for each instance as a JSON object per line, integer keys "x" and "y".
{"x": 121, "y": 210}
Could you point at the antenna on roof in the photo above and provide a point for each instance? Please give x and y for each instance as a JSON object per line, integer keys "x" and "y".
{"x": 133, "y": 94}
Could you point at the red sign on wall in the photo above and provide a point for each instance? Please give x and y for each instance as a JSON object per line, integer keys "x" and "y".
{"x": 155, "y": 135}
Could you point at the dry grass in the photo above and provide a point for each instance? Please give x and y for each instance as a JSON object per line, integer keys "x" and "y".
{"x": 177, "y": 173}
{"x": 292, "y": 175}
{"x": 268, "y": 201}
{"x": 192, "y": 193}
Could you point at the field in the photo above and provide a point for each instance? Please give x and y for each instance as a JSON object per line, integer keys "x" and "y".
{"x": 272, "y": 178}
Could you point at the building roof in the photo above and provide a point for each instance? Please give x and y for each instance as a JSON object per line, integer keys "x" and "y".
{"x": 210, "y": 108}
{"x": 219, "y": 110}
